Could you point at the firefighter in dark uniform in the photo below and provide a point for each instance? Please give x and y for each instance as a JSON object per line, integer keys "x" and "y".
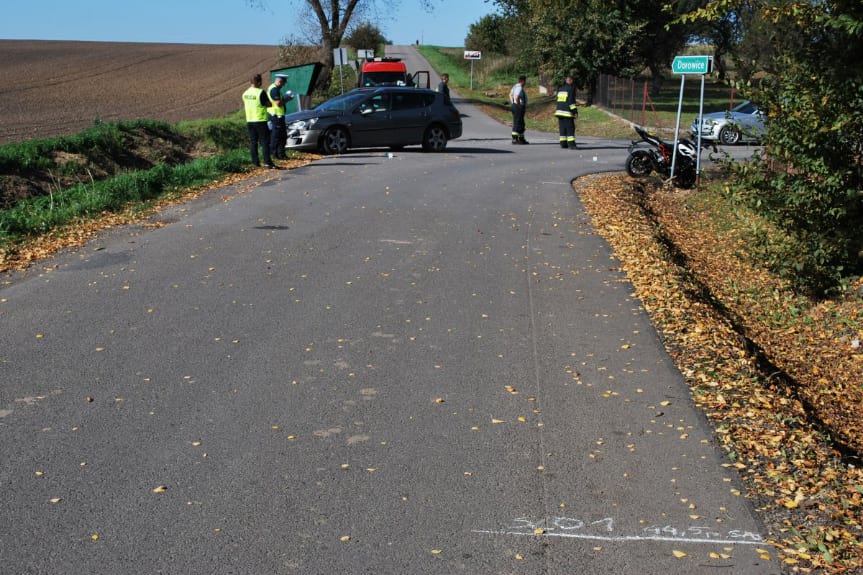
{"x": 276, "y": 114}
{"x": 518, "y": 103}
{"x": 566, "y": 113}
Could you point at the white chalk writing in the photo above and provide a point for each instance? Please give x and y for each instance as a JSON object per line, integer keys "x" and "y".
{"x": 605, "y": 530}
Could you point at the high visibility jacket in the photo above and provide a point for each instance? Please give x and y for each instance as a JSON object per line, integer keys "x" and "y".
{"x": 255, "y": 111}
{"x": 566, "y": 107}
{"x": 273, "y": 109}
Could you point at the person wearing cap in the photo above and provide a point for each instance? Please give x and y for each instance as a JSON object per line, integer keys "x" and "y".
{"x": 276, "y": 113}
{"x": 255, "y": 102}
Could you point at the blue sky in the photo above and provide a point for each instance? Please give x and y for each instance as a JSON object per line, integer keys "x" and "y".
{"x": 220, "y": 21}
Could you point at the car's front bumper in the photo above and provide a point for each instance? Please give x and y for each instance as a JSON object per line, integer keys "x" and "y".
{"x": 709, "y": 131}
{"x": 303, "y": 140}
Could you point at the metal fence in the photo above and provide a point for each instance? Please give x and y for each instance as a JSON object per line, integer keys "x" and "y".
{"x": 627, "y": 98}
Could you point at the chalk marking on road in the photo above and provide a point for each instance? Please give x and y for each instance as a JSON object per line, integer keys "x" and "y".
{"x": 626, "y": 538}
{"x": 397, "y": 242}
{"x": 574, "y": 528}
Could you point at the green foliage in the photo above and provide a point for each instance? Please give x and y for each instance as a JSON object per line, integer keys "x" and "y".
{"x": 492, "y": 70}
{"x": 221, "y": 133}
{"x": 810, "y": 180}
{"x": 41, "y": 214}
{"x": 489, "y": 34}
{"x": 366, "y": 37}
{"x": 19, "y": 157}
{"x": 341, "y": 76}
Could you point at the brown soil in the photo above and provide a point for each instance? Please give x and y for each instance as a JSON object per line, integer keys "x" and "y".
{"x": 58, "y": 88}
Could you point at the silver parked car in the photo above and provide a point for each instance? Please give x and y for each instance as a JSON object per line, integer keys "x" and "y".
{"x": 743, "y": 123}
{"x": 390, "y": 116}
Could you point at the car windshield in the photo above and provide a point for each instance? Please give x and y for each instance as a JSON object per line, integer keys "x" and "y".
{"x": 343, "y": 103}
{"x": 384, "y": 79}
{"x": 745, "y": 108}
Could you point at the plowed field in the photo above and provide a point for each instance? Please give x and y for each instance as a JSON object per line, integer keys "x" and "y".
{"x": 50, "y": 88}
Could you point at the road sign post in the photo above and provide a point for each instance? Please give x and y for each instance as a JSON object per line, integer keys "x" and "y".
{"x": 472, "y": 55}
{"x": 340, "y": 58}
{"x": 701, "y": 66}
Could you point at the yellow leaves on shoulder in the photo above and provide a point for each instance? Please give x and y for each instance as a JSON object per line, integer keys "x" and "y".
{"x": 679, "y": 554}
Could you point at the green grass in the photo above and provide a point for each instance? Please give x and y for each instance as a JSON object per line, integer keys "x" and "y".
{"x": 224, "y": 139}
{"x": 44, "y": 213}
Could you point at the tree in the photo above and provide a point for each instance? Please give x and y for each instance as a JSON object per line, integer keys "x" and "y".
{"x": 591, "y": 37}
{"x": 582, "y": 38}
{"x": 810, "y": 180}
{"x": 331, "y": 21}
{"x": 487, "y": 35}
{"x": 365, "y": 37}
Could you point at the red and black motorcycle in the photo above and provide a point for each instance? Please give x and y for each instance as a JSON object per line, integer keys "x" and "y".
{"x": 651, "y": 154}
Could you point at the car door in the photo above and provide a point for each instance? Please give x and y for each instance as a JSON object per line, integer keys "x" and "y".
{"x": 750, "y": 120}
{"x": 370, "y": 121}
{"x": 410, "y": 116}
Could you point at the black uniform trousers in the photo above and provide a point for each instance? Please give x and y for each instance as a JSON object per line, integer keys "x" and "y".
{"x": 259, "y": 133}
{"x": 518, "y": 121}
{"x": 278, "y": 137}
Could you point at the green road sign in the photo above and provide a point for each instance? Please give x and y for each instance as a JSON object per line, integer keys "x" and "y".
{"x": 692, "y": 64}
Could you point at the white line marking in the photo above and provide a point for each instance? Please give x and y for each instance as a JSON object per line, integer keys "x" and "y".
{"x": 628, "y": 538}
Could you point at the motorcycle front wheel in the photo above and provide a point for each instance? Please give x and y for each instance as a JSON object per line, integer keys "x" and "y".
{"x": 639, "y": 164}
{"x": 685, "y": 179}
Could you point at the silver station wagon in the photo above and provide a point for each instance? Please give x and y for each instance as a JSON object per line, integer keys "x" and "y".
{"x": 744, "y": 123}
{"x": 391, "y": 116}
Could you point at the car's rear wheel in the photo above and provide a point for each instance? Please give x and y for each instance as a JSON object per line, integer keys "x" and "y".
{"x": 335, "y": 141}
{"x": 435, "y": 139}
{"x": 729, "y": 135}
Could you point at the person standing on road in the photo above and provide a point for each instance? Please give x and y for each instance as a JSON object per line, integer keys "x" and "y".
{"x": 443, "y": 88}
{"x": 566, "y": 113}
{"x": 518, "y": 102}
{"x": 276, "y": 113}
{"x": 255, "y": 103}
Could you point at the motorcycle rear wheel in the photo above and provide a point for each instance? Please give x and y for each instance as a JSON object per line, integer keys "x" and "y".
{"x": 639, "y": 164}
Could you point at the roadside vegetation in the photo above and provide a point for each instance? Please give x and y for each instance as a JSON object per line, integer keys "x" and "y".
{"x": 768, "y": 340}
{"x": 54, "y": 192}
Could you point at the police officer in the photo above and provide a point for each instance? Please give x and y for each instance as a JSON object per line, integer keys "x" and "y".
{"x": 518, "y": 101}
{"x": 566, "y": 113}
{"x": 276, "y": 114}
{"x": 255, "y": 103}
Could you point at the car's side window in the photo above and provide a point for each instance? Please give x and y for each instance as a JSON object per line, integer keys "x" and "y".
{"x": 377, "y": 103}
{"x": 410, "y": 101}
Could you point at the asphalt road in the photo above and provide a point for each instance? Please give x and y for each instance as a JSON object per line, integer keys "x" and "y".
{"x": 420, "y": 364}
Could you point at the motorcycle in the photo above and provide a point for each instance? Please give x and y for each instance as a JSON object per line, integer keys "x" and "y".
{"x": 656, "y": 157}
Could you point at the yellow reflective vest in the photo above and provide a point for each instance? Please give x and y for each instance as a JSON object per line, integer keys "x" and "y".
{"x": 255, "y": 112}
{"x": 273, "y": 109}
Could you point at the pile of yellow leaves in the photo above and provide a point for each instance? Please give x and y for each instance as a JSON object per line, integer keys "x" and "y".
{"x": 777, "y": 374}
